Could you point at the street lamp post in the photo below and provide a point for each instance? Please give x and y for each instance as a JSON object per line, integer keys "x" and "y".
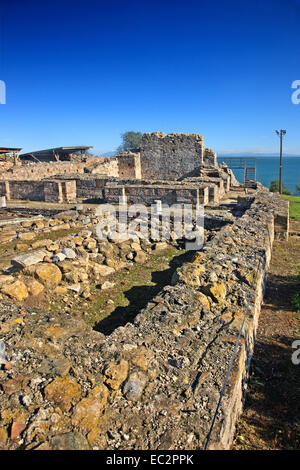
{"x": 280, "y": 134}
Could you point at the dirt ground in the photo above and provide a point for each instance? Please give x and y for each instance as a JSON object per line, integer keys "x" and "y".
{"x": 271, "y": 417}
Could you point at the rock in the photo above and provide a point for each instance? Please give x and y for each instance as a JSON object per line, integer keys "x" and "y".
{"x": 70, "y": 441}
{"x": 116, "y": 373}
{"x": 69, "y": 253}
{"x": 16, "y": 384}
{"x": 85, "y": 233}
{"x": 86, "y": 293}
{"x": 102, "y": 270}
{"x": 17, "y": 290}
{"x": 218, "y": 291}
{"x": 34, "y": 287}
{"x": 140, "y": 257}
{"x": 26, "y": 235}
{"x": 61, "y": 290}
{"x": 61, "y": 227}
{"x": 134, "y": 386}
{"x": 57, "y": 366}
{"x": 41, "y": 243}
{"x": 28, "y": 259}
{"x": 66, "y": 266}
{"x": 160, "y": 247}
{"x": 64, "y": 391}
{"x": 190, "y": 274}
{"x": 67, "y": 215}
{"x": 135, "y": 246}
{"x": 75, "y": 288}
{"x": 16, "y": 429}
{"x": 6, "y": 279}
{"x": 203, "y": 300}
{"x": 78, "y": 240}
{"x": 88, "y": 411}
{"x": 90, "y": 243}
{"x": 49, "y": 274}
{"x": 58, "y": 257}
{"x": 39, "y": 224}
{"x": 21, "y": 246}
{"x": 3, "y": 436}
{"x": 53, "y": 247}
{"x": 107, "y": 285}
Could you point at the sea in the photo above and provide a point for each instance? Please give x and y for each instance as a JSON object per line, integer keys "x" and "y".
{"x": 267, "y": 170}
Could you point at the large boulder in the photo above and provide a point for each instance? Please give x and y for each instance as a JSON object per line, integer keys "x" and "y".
{"x": 49, "y": 274}
{"x": 17, "y": 290}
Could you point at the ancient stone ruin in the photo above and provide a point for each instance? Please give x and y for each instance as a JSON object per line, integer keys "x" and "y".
{"x": 125, "y": 344}
{"x": 174, "y": 167}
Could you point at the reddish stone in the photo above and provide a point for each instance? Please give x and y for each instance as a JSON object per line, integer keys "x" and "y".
{"x": 16, "y": 429}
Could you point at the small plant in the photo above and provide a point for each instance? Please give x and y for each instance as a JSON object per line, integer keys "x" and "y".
{"x": 296, "y": 300}
{"x": 274, "y": 188}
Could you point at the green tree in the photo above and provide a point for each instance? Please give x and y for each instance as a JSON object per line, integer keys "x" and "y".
{"x": 130, "y": 141}
{"x": 274, "y": 188}
{"x": 298, "y": 189}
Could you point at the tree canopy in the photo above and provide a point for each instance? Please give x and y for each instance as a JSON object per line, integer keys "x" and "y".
{"x": 130, "y": 141}
{"x": 274, "y": 188}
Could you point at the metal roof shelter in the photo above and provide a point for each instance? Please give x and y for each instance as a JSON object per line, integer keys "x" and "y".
{"x": 7, "y": 153}
{"x": 56, "y": 154}
{"x": 9, "y": 150}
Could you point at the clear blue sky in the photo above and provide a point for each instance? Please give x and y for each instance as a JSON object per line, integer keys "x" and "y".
{"x": 83, "y": 72}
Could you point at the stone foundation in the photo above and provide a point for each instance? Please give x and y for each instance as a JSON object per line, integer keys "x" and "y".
{"x": 154, "y": 383}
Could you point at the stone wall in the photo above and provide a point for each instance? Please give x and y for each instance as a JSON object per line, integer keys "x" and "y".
{"x": 48, "y": 191}
{"x": 148, "y": 194}
{"x": 39, "y": 171}
{"x": 154, "y": 383}
{"x": 129, "y": 165}
{"x": 170, "y": 156}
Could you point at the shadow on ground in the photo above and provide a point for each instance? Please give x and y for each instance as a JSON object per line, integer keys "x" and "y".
{"x": 272, "y": 405}
{"x": 139, "y": 296}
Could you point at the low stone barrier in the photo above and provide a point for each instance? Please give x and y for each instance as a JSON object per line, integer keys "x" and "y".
{"x": 154, "y": 383}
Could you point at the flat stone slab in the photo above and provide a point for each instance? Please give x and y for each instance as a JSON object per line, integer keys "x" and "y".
{"x": 19, "y": 220}
{"x": 28, "y": 259}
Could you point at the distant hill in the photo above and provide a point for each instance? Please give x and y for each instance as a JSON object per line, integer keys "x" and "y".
{"x": 109, "y": 154}
{"x": 254, "y": 155}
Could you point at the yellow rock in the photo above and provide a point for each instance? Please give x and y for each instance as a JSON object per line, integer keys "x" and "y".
{"x": 49, "y": 274}
{"x": 3, "y": 436}
{"x": 116, "y": 373}
{"x": 88, "y": 411}
{"x": 203, "y": 300}
{"x": 190, "y": 274}
{"x": 17, "y": 290}
{"x": 34, "y": 287}
{"x": 6, "y": 279}
{"x": 64, "y": 391}
{"x": 218, "y": 291}
{"x": 41, "y": 243}
{"x": 21, "y": 246}
{"x": 140, "y": 357}
{"x": 60, "y": 290}
{"x": 251, "y": 277}
{"x": 39, "y": 224}
{"x": 26, "y": 235}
